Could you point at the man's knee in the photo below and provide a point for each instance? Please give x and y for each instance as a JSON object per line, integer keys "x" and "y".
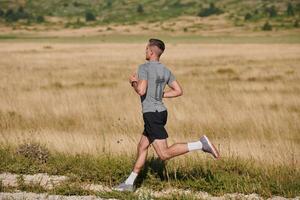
{"x": 163, "y": 155}
{"x": 142, "y": 146}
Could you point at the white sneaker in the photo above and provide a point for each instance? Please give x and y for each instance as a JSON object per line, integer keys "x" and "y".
{"x": 124, "y": 187}
{"x": 208, "y": 147}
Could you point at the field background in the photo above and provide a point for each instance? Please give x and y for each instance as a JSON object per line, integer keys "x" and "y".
{"x": 76, "y": 97}
{"x": 67, "y": 87}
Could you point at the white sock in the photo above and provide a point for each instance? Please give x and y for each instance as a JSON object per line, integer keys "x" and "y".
{"x": 194, "y": 146}
{"x": 131, "y": 178}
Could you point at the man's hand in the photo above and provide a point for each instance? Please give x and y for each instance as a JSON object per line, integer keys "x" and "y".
{"x": 175, "y": 91}
{"x": 133, "y": 78}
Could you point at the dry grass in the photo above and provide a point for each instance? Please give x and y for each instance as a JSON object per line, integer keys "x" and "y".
{"x": 76, "y": 98}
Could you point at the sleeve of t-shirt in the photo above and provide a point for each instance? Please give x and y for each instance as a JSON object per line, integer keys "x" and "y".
{"x": 142, "y": 73}
{"x": 171, "y": 78}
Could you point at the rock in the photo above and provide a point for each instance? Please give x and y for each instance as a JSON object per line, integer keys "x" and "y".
{"x": 44, "y": 180}
{"x": 9, "y": 180}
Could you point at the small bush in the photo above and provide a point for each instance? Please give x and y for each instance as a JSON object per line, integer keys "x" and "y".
{"x": 40, "y": 19}
{"x": 21, "y": 14}
{"x": 267, "y": 27}
{"x": 271, "y": 11}
{"x": 248, "y": 16}
{"x": 79, "y": 22}
{"x": 297, "y": 7}
{"x": 140, "y": 8}
{"x": 1, "y": 186}
{"x": 211, "y": 10}
{"x": 76, "y": 4}
{"x": 108, "y": 3}
{"x": 290, "y": 10}
{"x": 296, "y": 24}
{"x": 1, "y": 13}
{"x": 89, "y": 16}
{"x": 11, "y": 16}
{"x": 34, "y": 151}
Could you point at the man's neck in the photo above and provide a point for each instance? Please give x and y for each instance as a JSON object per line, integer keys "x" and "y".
{"x": 153, "y": 60}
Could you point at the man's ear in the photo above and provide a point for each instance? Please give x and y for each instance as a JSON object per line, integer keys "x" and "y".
{"x": 151, "y": 52}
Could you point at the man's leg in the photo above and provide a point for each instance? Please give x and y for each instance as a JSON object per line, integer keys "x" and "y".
{"x": 142, "y": 151}
{"x": 165, "y": 152}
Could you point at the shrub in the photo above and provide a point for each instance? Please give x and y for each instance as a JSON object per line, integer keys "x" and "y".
{"x": 140, "y": 8}
{"x": 296, "y": 24}
{"x": 177, "y": 4}
{"x": 78, "y": 21}
{"x": 108, "y": 3}
{"x": 248, "y": 16}
{"x": 297, "y": 7}
{"x": 21, "y": 14}
{"x": 76, "y": 4}
{"x": 1, "y": 13}
{"x": 40, "y": 19}
{"x": 271, "y": 11}
{"x": 34, "y": 151}
{"x": 290, "y": 10}
{"x": 267, "y": 27}
{"x": 211, "y": 10}
{"x": 89, "y": 16}
{"x": 11, "y": 16}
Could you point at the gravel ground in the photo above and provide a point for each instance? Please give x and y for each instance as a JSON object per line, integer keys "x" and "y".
{"x": 49, "y": 181}
{"x": 44, "y": 180}
{"x": 43, "y": 196}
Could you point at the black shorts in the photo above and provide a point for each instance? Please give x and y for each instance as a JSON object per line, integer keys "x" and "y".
{"x": 154, "y": 123}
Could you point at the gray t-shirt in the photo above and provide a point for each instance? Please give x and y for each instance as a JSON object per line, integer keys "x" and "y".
{"x": 158, "y": 75}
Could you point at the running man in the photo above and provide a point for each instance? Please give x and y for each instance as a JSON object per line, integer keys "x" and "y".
{"x": 149, "y": 84}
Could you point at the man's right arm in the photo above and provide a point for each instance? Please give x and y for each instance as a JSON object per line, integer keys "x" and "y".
{"x": 175, "y": 90}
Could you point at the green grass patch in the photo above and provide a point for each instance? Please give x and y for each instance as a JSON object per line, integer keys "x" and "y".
{"x": 36, "y": 188}
{"x": 229, "y": 175}
{"x": 70, "y": 188}
{"x": 117, "y": 38}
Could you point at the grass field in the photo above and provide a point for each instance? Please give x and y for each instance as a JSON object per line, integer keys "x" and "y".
{"x": 77, "y": 38}
{"x": 74, "y": 97}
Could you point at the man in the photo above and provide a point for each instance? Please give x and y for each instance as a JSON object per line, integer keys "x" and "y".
{"x": 152, "y": 78}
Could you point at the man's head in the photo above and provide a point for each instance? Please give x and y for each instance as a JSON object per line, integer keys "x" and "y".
{"x": 154, "y": 49}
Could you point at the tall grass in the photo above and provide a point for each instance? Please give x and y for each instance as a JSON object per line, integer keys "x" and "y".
{"x": 76, "y": 98}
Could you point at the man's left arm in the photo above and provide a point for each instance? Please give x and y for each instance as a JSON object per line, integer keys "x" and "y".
{"x": 139, "y": 86}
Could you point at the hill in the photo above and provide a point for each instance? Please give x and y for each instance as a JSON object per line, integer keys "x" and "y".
{"x": 254, "y": 14}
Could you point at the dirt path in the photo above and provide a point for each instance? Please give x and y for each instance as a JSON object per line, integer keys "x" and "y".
{"x": 49, "y": 181}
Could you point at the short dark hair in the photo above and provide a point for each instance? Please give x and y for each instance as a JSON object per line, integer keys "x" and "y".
{"x": 157, "y": 42}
